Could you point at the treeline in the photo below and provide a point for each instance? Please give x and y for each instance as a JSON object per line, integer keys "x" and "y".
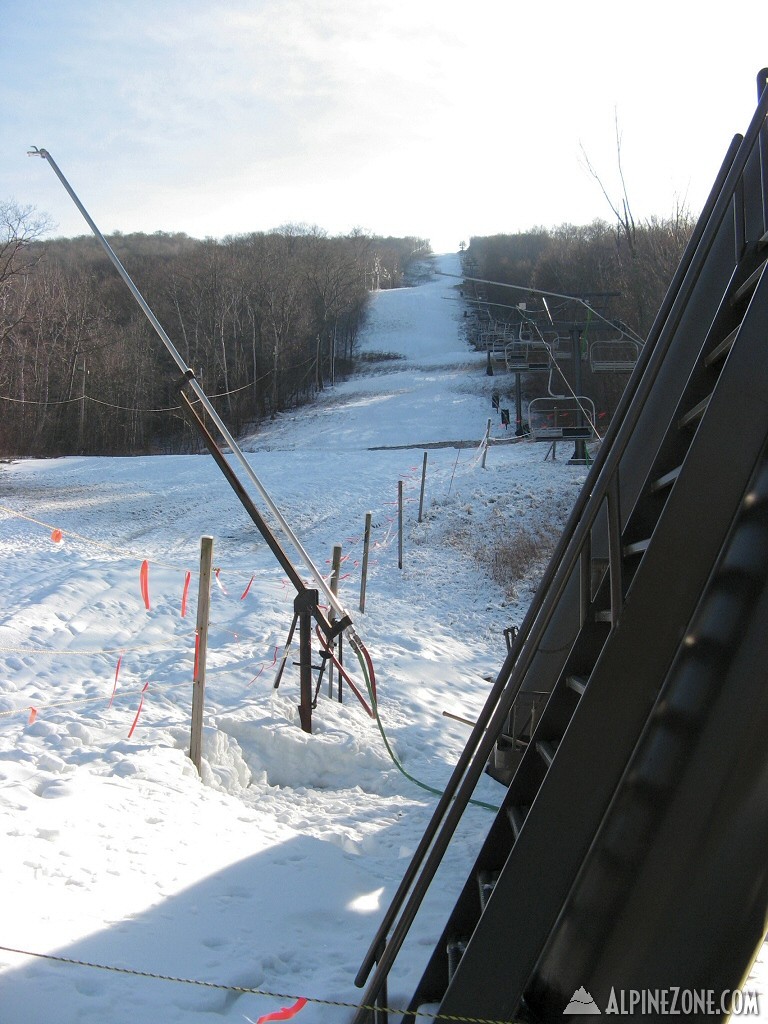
{"x": 623, "y": 270}
{"x": 629, "y": 265}
{"x": 265, "y": 320}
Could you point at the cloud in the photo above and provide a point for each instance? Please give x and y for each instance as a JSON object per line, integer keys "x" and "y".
{"x": 426, "y": 118}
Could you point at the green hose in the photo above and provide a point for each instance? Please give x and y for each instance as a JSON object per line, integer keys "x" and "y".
{"x": 390, "y": 751}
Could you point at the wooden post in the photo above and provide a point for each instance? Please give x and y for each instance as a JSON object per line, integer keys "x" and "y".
{"x": 400, "y": 524}
{"x": 485, "y": 441}
{"x": 335, "y": 570}
{"x": 303, "y": 606}
{"x": 198, "y": 682}
{"x": 366, "y": 549}
{"x": 423, "y": 482}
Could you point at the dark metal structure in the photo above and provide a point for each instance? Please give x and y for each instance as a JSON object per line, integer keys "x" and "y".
{"x": 629, "y": 852}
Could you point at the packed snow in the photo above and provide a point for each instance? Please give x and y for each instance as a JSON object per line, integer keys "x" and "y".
{"x": 271, "y": 870}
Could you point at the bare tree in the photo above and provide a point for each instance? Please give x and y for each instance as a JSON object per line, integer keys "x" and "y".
{"x": 20, "y": 226}
{"x": 621, "y": 208}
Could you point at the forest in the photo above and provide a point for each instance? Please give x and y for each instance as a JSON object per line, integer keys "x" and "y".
{"x": 265, "y": 320}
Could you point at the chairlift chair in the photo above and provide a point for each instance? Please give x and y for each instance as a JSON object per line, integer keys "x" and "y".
{"x": 563, "y": 418}
{"x": 613, "y": 355}
{"x": 527, "y": 352}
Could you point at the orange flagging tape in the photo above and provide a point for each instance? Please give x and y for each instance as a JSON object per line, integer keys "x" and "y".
{"x": 144, "y": 581}
{"x": 32, "y": 715}
{"x": 57, "y": 536}
{"x": 141, "y": 705}
{"x": 245, "y": 592}
{"x": 187, "y": 578}
{"x": 285, "y": 1014}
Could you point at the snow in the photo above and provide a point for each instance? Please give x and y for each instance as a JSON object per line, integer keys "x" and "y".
{"x": 271, "y": 871}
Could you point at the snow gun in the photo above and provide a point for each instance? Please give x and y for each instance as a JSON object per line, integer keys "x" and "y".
{"x": 306, "y": 606}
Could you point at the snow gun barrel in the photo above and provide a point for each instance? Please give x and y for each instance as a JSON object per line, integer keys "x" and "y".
{"x": 191, "y": 381}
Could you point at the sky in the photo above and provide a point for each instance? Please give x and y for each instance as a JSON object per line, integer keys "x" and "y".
{"x": 405, "y": 117}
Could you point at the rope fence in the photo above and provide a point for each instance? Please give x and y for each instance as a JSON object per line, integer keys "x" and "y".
{"x": 297, "y": 1001}
{"x": 138, "y": 409}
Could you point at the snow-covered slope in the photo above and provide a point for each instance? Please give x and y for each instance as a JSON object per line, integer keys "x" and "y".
{"x": 271, "y": 871}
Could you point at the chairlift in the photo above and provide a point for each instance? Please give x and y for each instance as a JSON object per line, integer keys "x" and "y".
{"x": 516, "y": 356}
{"x": 528, "y": 352}
{"x": 556, "y": 345}
{"x": 562, "y": 418}
{"x": 613, "y": 355}
{"x": 496, "y": 347}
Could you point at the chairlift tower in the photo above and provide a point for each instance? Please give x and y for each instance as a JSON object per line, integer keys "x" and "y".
{"x": 579, "y": 457}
